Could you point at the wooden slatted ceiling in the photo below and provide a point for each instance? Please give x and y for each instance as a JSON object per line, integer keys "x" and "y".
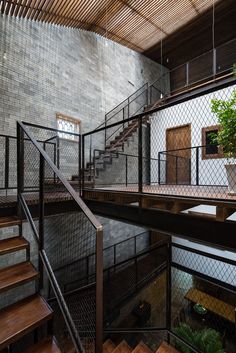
{"x": 137, "y": 24}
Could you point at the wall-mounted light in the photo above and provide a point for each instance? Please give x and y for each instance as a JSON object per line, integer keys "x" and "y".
{"x": 5, "y": 56}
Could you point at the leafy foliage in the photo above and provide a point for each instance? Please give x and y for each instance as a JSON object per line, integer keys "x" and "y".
{"x": 206, "y": 340}
{"x": 225, "y": 111}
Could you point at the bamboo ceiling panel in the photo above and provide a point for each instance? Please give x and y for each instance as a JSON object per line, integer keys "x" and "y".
{"x": 137, "y": 24}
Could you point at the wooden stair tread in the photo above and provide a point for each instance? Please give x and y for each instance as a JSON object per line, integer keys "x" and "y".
{"x": 142, "y": 348}
{"x": 9, "y": 221}
{"x": 21, "y": 318}
{"x": 166, "y": 348}
{"x": 108, "y": 346}
{"x": 46, "y": 346}
{"x": 13, "y": 244}
{"x": 122, "y": 347}
{"x": 17, "y": 274}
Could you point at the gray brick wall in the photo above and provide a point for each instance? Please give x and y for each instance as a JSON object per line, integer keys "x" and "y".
{"x": 51, "y": 69}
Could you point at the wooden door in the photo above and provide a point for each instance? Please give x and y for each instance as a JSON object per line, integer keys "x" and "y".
{"x": 178, "y": 162}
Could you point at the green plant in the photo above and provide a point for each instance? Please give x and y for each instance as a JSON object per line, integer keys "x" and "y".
{"x": 206, "y": 340}
{"x": 225, "y": 111}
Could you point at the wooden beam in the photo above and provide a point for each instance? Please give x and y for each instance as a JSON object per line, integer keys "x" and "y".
{"x": 222, "y": 213}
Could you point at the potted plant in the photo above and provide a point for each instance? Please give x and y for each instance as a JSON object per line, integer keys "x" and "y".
{"x": 206, "y": 340}
{"x": 225, "y": 111}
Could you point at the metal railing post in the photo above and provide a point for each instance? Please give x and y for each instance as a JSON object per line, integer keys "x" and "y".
{"x": 99, "y": 291}
{"x": 197, "y": 166}
{"x": 6, "y": 162}
{"x": 83, "y": 165}
{"x": 176, "y": 169}
{"x": 187, "y": 73}
{"x": 126, "y": 170}
{"x": 168, "y": 287}
{"x": 58, "y": 152}
{"x": 41, "y": 216}
{"x": 123, "y": 110}
{"x": 128, "y": 108}
{"x": 80, "y": 164}
{"x": 147, "y": 95}
{"x": 20, "y": 167}
{"x": 105, "y": 133}
{"x": 214, "y": 62}
{"x": 159, "y": 168}
{"x": 140, "y": 156}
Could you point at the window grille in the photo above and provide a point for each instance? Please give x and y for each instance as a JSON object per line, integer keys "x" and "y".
{"x": 67, "y": 124}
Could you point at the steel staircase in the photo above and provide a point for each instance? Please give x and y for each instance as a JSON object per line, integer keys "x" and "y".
{"x": 124, "y": 347}
{"x": 26, "y": 315}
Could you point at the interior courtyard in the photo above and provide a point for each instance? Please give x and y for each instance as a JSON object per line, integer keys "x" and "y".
{"x": 117, "y": 176}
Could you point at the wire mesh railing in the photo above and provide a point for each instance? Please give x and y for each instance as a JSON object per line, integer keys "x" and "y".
{"x": 196, "y": 297}
{"x": 210, "y": 65}
{"x": 63, "y": 237}
{"x": 169, "y": 152}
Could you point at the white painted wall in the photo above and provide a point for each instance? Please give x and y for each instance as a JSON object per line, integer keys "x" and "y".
{"x": 196, "y": 112}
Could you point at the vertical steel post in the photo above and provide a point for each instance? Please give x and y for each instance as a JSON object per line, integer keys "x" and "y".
{"x": 79, "y": 165}
{"x": 20, "y": 173}
{"x": 214, "y": 62}
{"x": 128, "y": 107}
{"x": 83, "y": 164}
{"x": 197, "y": 166}
{"x": 99, "y": 291}
{"x": 168, "y": 288}
{"x": 55, "y": 158}
{"x": 126, "y": 170}
{"x": 159, "y": 168}
{"x": 187, "y": 73}
{"x": 58, "y": 152}
{"x": 140, "y": 155}
{"x": 176, "y": 169}
{"x": 6, "y": 162}
{"x": 41, "y": 216}
{"x": 147, "y": 95}
{"x": 105, "y": 133}
{"x": 123, "y": 110}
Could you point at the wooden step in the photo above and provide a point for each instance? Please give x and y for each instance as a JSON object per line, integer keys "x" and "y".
{"x": 122, "y": 347}
{"x": 142, "y": 348}
{"x": 46, "y": 346}
{"x": 15, "y": 275}
{"x": 108, "y": 346}
{"x": 166, "y": 348}
{"x": 21, "y": 318}
{"x": 9, "y": 222}
{"x": 13, "y": 244}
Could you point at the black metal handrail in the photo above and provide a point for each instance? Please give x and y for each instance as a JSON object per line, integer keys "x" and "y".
{"x": 178, "y": 165}
{"x": 21, "y": 131}
{"x": 114, "y": 246}
{"x": 7, "y": 182}
{"x": 125, "y": 263}
{"x": 215, "y": 72}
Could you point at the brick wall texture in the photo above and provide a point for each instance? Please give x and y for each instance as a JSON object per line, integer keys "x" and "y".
{"x": 51, "y": 69}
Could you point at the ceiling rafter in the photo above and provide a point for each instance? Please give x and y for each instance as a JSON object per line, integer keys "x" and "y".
{"x": 137, "y": 24}
{"x": 194, "y": 6}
